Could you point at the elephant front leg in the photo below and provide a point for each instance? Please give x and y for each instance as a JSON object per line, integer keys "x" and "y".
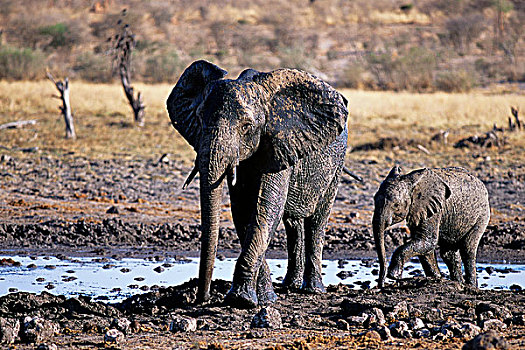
{"x": 429, "y": 264}
{"x": 423, "y": 243}
{"x": 268, "y": 213}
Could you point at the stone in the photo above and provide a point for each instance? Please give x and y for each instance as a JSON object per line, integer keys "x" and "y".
{"x": 374, "y": 335}
{"x": 122, "y": 324}
{"x": 486, "y": 341}
{"x": 500, "y": 312}
{"x": 433, "y": 315}
{"x": 267, "y": 317}
{"x": 384, "y": 332}
{"x": 375, "y": 317}
{"x": 113, "y": 336}
{"x": 37, "y": 329}
{"x": 442, "y": 334}
{"x": 416, "y": 323}
{"x": 400, "y": 311}
{"x": 357, "y": 320}
{"x": 9, "y": 329}
{"x": 183, "y": 324}
{"x": 343, "y": 325}
{"x": 519, "y": 320}
{"x": 469, "y": 330}
{"x": 47, "y": 347}
{"x": 493, "y": 324}
{"x": 400, "y": 329}
{"x": 422, "y": 333}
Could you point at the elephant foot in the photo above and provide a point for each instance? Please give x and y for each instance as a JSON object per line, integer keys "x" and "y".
{"x": 395, "y": 272}
{"x": 292, "y": 284}
{"x": 267, "y": 297}
{"x": 242, "y": 296}
{"x": 313, "y": 285}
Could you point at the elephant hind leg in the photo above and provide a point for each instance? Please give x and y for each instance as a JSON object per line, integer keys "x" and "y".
{"x": 295, "y": 244}
{"x": 468, "y": 251}
{"x": 314, "y": 231}
{"x": 429, "y": 264}
{"x": 453, "y": 261}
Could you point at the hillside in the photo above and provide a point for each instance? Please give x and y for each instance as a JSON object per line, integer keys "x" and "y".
{"x": 422, "y": 45}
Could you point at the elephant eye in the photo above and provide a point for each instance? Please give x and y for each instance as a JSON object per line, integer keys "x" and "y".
{"x": 246, "y": 127}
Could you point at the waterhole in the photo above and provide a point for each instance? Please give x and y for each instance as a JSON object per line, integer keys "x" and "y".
{"x": 114, "y": 280}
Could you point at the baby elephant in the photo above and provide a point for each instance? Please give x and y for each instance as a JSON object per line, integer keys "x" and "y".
{"x": 447, "y": 207}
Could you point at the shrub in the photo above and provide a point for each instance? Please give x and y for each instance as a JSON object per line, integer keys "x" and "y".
{"x": 463, "y": 30}
{"x": 352, "y": 77}
{"x": 92, "y": 67}
{"x": 20, "y": 63}
{"x": 163, "y": 67}
{"x": 455, "y": 81}
{"x": 411, "y": 71}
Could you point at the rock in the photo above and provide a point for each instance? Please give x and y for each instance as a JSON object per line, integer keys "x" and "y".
{"x": 37, "y": 329}
{"x": 422, "y": 333}
{"x": 122, "y": 324}
{"x": 343, "y": 325}
{"x": 443, "y": 333}
{"x": 357, "y": 320}
{"x": 434, "y": 315}
{"x": 384, "y": 332}
{"x": 400, "y": 329}
{"x": 469, "y": 330}
{"x": 113, "y": 336}
{"x": 47, "y": 347}
{"x": 502, "y": 313}
{"x": 375, "y": 317}
{"x": 183, "y": 324}
{"x": 400, "y": 311}
{"x": 267, "y": 317}
{"x": 493, "y": 324}
{"x": 486, "y": 341}
{"x": 9, "y": 329}
{"x": 374, "y": 335}
{"x": 416, "y": 323}
{"x": 519, "y": 320}
{"x": 298, "y": 321}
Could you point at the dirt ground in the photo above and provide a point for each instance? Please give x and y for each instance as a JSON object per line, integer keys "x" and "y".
{"x": 136, "y": 207}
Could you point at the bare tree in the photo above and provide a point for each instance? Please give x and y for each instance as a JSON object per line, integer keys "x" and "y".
{"x": 63, "y": 89}
{"x": 123, "y": 45}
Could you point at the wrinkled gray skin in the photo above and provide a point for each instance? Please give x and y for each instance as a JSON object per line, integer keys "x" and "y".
{"x": 279, "y": 138}
{"x": 445, "y": 207}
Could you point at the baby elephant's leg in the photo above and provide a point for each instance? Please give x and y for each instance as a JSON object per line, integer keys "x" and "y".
{"x": 429, "y": 263}
{"x": 423, "y": 243}
{"x": 468, "y": 250}
{"x": 452, "y": 259}
{"x": 295, "y": 243}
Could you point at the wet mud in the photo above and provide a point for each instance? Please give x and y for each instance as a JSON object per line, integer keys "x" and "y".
{"x": 136, "y": 207}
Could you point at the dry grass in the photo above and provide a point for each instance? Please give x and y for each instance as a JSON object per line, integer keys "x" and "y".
{"x": 105, "y": 129}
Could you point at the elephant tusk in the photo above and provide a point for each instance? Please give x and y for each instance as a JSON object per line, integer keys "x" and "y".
{"x": 191, "y": 176}
{"x": 356, "y": 177}
{"x": 232, "y": 175}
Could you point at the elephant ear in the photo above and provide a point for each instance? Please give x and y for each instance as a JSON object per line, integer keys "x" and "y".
{"x": 429, "y": 194}
{"x": 303, "y": 114}
{"x": 188, "y": 94}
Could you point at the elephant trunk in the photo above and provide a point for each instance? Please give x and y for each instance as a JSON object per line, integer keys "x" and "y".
{"x": 214, "y": 164}
{"x": 379, "y": 226}
{"x": 211, "y": 199}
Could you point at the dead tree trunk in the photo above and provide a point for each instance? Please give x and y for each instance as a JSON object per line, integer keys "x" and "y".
{"x": 123, "y": 45}
{"x": 63, "y": 88}
{"x": 137, "y": 104}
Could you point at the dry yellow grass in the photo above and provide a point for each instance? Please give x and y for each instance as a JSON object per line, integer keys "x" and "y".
{"x": 105, "y": 127}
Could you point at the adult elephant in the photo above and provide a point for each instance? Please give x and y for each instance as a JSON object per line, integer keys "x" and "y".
{"x": 279, "y": 138}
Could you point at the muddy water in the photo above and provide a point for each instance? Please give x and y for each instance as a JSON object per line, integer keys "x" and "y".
{"x": 115, "y": 280}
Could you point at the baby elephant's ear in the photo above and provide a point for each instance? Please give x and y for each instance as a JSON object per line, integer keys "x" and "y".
{"x": 303, "y": 114}
{"x": 187, "y": 95}
{"x": 429, "y": 193}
